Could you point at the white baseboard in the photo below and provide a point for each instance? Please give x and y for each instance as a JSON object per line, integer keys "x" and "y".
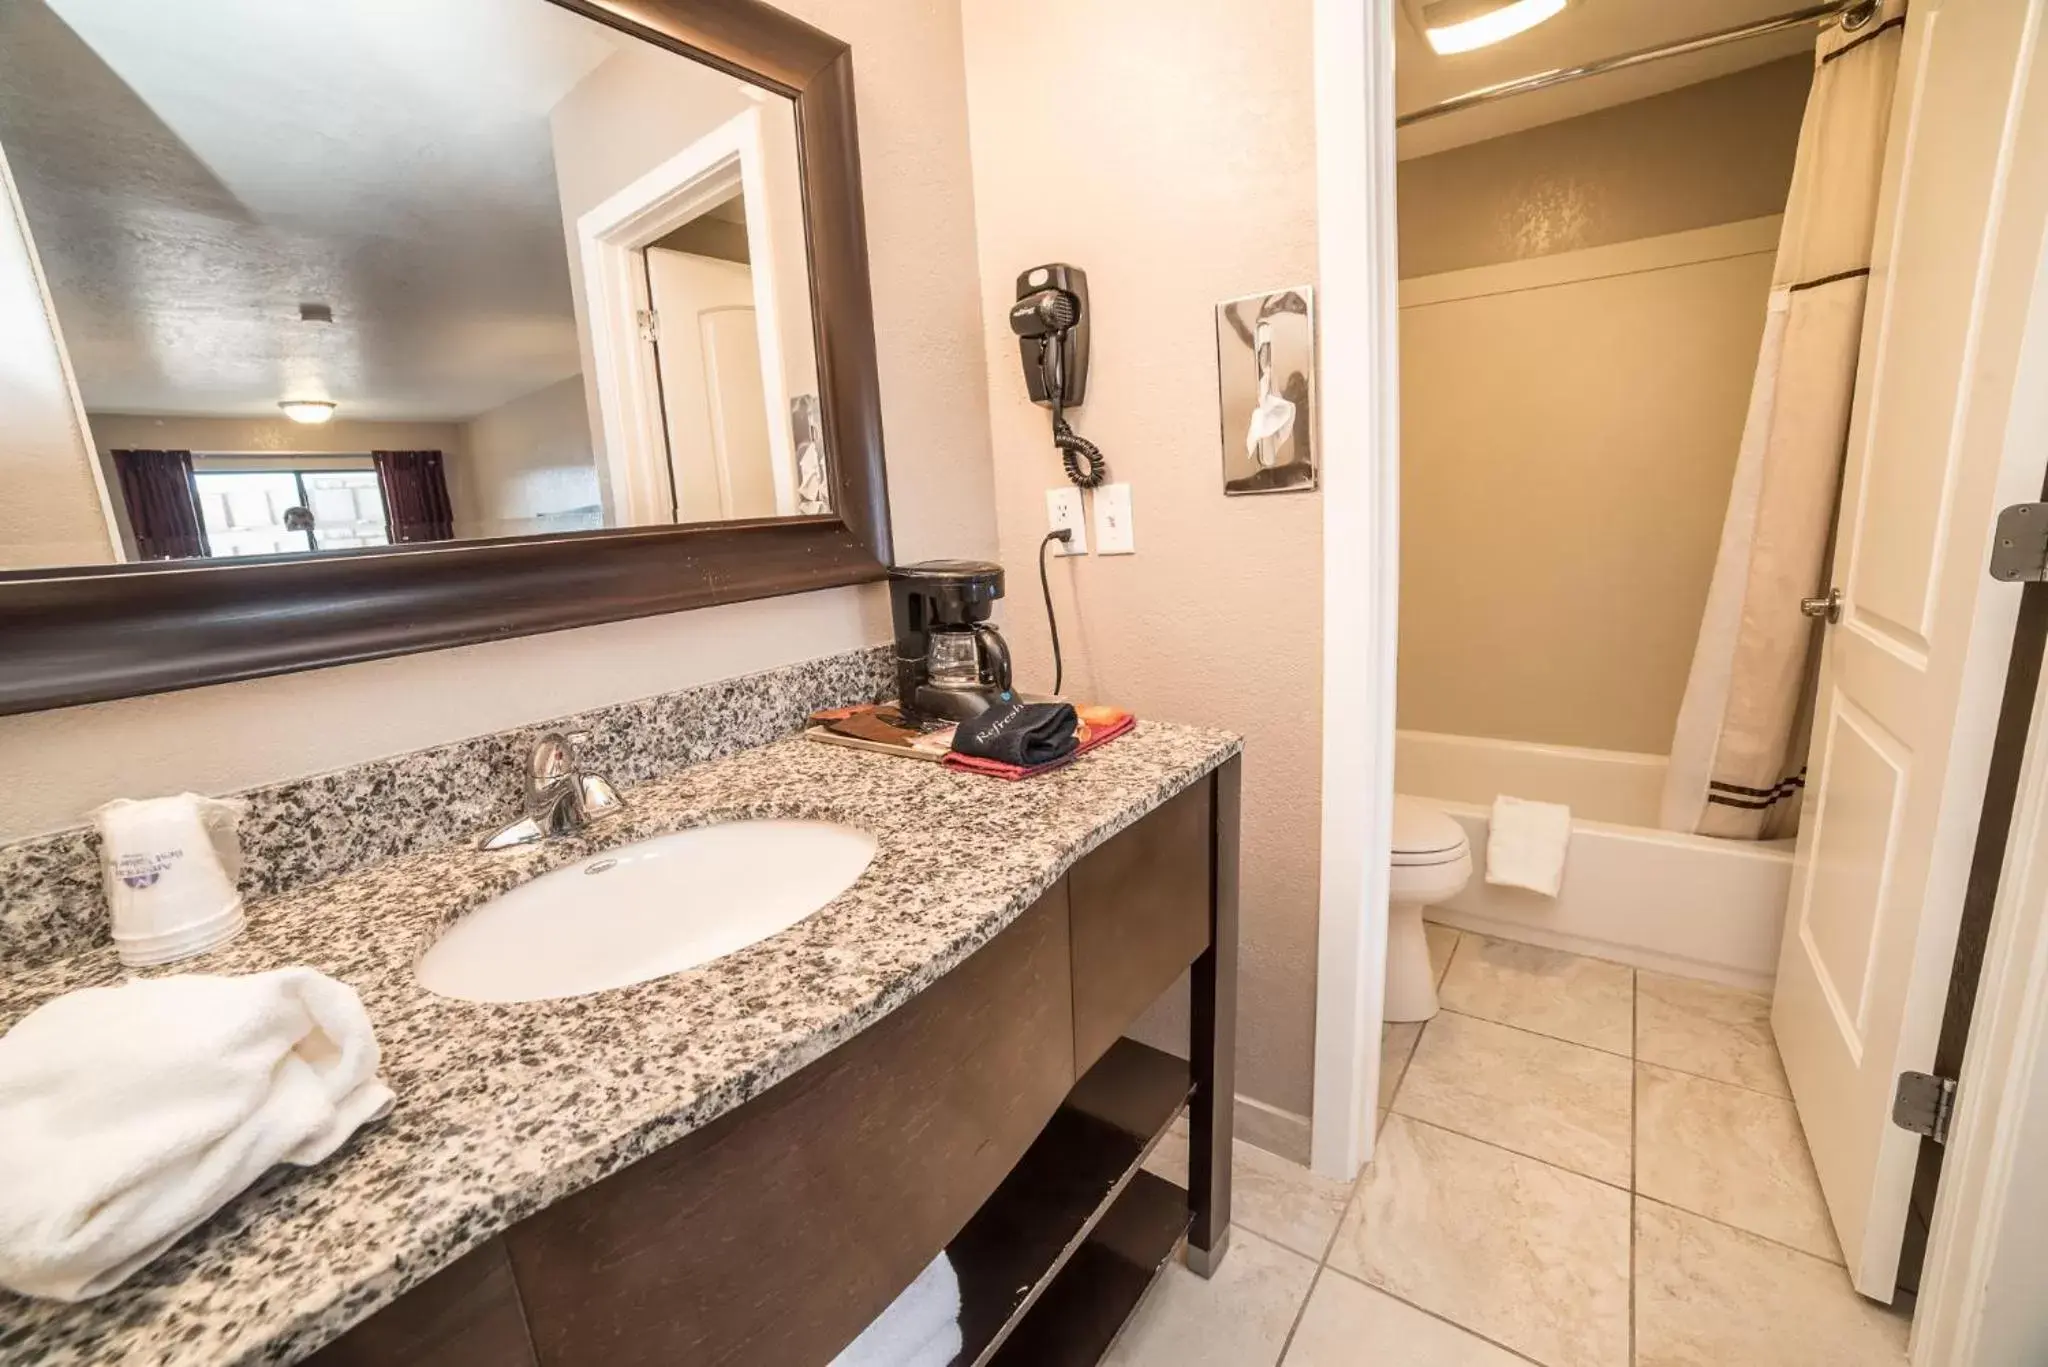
{"x": 1281, "y": 1133}
{"x": 1278, "y": 1132}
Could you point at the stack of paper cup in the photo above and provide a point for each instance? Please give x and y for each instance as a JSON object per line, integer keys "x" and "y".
{"x": 170, "y": 865}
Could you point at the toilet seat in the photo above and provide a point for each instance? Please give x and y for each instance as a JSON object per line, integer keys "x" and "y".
{"x": 1426, "y": 835}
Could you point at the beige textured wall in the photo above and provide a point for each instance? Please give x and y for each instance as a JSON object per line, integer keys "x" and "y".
{"x": 1710, "y": 153}
{"x": 1182, "y": 173}
{"x": 525, "y": 461}
{"x": 50, "y": 510}
{"x": 913, "y": 132}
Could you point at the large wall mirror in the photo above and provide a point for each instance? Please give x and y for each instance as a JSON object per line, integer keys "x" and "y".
{"x": 344, "y": 330}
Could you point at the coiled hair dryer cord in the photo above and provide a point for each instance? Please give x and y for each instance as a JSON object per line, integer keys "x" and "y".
{"x": 1077, "y": 452}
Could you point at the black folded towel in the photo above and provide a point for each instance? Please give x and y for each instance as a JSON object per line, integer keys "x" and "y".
{"x": 1026, "y": 734}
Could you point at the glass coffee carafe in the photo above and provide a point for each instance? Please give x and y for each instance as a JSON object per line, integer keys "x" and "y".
{"x": 965, "y": 656}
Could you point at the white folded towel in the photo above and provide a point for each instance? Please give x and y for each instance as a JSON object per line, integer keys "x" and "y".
{"x": 1526, "y": 843}
{"x": 130, "y": 1114}
{"x": 921, "y": 1328}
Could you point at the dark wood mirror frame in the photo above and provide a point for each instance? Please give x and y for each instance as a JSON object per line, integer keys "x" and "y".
{"x": 80, "y": 635}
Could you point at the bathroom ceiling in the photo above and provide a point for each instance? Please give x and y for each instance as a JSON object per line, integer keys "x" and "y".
{"x": 194, "y": 172}
{"x": 1587, "y": 31}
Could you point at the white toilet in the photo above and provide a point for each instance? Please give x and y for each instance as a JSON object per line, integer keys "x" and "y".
{"x": 1432, "y": 862}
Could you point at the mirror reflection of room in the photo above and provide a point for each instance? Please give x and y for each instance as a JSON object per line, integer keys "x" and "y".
{"x": 303, "y": 279}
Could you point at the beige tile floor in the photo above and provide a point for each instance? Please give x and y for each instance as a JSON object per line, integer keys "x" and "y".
{"x": 1580, "y": 1165}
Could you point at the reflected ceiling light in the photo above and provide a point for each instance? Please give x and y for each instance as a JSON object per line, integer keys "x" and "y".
{"x": 1492, "y": 23}
{"x": 308, "y": 410}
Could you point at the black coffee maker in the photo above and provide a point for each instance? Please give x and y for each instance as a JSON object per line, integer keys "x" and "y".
{"x": 951, "y": 665}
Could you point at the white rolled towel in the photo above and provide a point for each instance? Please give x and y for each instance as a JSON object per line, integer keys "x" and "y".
{"x": 130, "y": 1114}
{"x": 921, "y": 1328}
{"x": 1526, "y": 844}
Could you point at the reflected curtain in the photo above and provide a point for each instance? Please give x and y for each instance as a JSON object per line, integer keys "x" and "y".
{"x": 162, "y": 504}
{"x": 415, "y": 486}
{"x": 1739, "y": 752}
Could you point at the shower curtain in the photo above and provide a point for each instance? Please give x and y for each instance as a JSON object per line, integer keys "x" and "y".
{"x": 1738, "y": 754}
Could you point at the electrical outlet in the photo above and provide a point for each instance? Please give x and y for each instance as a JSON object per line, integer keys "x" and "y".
{"x": 1113, "y": 532}
{"x": 1063, "y": 509}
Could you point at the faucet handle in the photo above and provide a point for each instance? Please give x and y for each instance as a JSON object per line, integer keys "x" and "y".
{"x": 560, "y": 799}
{"x": 552, "y": 761}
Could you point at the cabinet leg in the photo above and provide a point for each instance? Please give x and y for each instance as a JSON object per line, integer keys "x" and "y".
{"x": 1213, "y": 1042}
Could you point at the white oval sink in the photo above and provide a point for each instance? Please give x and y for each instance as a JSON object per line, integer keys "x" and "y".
{"x": 645, "y": 910}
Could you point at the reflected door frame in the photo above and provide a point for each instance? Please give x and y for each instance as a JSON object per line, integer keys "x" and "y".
{"x": 611, "y": 238}
{"x": 120, "y": 537}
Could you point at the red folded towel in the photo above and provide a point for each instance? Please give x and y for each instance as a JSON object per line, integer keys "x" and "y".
{"x": 1099, "y": 726}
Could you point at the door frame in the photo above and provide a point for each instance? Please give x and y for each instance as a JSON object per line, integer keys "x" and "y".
{"x": 1991, "y": 1208}
{"x": 1360, "y": 436}
{"x": 610, "y": 239}
{"x": 120, "y": 537}
{"x": 1990, "y": 1222}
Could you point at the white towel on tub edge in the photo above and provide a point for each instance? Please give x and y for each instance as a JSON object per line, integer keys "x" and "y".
{"x": 1526, "y": 844}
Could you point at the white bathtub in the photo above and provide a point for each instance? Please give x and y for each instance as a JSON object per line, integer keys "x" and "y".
{"x": 1682, "y": 904}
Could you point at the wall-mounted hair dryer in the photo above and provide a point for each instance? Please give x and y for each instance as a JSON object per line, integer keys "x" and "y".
{"x": 1050, "y": 319}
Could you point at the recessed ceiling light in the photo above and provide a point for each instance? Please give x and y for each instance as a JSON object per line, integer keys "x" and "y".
{"x": 1491, "y": 25}
{"x": 308, "y": 410}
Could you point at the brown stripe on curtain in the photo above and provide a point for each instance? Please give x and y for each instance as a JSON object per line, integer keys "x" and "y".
{"x": 162, "y": 504}
{"x": 415, "y": 489}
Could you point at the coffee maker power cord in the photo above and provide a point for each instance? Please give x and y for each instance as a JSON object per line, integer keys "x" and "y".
{"x": 1063, "y": 536}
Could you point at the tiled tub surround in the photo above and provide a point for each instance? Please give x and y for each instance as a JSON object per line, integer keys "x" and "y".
{"x": 303, "y": 832}
{"x": 504, "y": 1109}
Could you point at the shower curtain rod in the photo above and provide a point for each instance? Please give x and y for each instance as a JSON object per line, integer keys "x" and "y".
{"x": 1543, "y": 80}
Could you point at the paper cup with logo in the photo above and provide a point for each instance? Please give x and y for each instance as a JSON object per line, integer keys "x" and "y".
{"x": 170, "y": 865}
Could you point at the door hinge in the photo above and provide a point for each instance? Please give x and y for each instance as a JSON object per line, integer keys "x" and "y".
{"x": 2019, "y": 546}
{"x": 650, "y": 325}
{"x": 1924, "y": 1104}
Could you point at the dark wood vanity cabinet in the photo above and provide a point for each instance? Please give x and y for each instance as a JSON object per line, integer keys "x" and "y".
{"x": 999, "y": 1115}
{"x": 1139, "y": 915}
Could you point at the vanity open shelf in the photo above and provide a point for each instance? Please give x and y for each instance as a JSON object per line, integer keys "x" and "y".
{"x": 1077, "y": 1200}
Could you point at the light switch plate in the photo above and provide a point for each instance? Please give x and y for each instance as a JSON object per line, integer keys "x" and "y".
{"x": 1063, "y": 509}
{"x": 1114, "y": 534}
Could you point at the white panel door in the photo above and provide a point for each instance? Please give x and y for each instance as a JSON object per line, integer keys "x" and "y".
{"x": 1911, "y": 676}
{"x": 739, "y": 410}
{"x": 688, "y": 290}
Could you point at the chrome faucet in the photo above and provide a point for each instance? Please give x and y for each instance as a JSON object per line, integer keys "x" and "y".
{"x": 559, "y": 798}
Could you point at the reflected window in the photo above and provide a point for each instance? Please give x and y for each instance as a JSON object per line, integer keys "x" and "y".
{"x": 282, "y": 512}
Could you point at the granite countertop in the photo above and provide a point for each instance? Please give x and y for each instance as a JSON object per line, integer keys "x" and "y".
{"x": 504, "y": 1109}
